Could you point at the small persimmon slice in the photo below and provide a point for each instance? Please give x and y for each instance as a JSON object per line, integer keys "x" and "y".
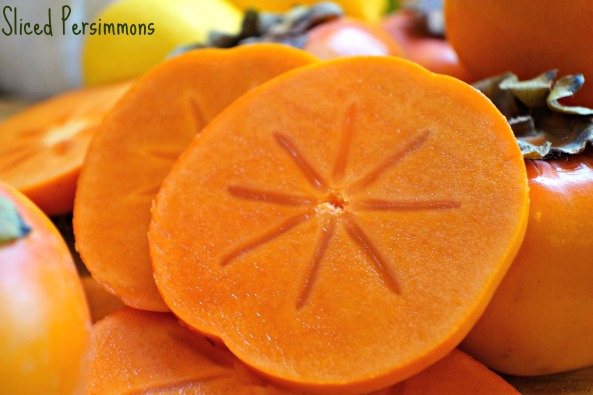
{"x": 137, "y": 145}
{"x": 344, "y": 226}
{"x": 457, "y": 373}
{"x": 142, "y": 352}
{"x": 42, "y": 147}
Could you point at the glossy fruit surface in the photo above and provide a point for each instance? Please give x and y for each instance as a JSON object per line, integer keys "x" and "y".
{"x": 540, "y": 320}
{"x": 434, "y": 53}
{"x": 45, "y": 324}
{"x": 350, "y": 37}
{"x": 523, "y": 36}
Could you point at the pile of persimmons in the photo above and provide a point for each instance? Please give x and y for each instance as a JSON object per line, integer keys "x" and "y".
{"x": 258, "y": 217}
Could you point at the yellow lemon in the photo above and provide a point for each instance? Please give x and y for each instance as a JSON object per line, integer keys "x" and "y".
{"x": 131, "y": 36}
{"x": 369, "y": 10}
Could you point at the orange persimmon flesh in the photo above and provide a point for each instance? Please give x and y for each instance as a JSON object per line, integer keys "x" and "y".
{"x": 42, "y": 147}
{"x": 101, "y": 303}
{"x": 145, "y": 352}
{"x": 141, "y": 352}
{"x": 343, "y": 226}
{"x": 457, "y": 373}
{"x": 137, "y": 145}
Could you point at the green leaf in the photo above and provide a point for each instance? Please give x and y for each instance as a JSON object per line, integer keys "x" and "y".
{"x": 12, "y": 226}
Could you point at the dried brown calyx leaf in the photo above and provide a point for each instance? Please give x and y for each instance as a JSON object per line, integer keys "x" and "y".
{"x": 286, "y": 28}
{"x": 543, "y": 126}
{"x": 12, "y": 226}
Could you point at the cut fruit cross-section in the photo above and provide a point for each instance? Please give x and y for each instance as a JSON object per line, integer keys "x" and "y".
{"x": 139, "y": 142}
{"x": 42, "y": 147}
{"x": 343, "y": 226}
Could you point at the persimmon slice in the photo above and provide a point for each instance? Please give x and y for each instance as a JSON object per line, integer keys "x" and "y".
{"x": 42, "y": 147}
{"x": 457, "y": 373}
{"x": 342, "y": 227}
{"x": 141, "y": 352}
{"x": 136, "y": 147}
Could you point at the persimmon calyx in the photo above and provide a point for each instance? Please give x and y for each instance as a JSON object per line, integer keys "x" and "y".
{"x": 544, "y": 127}
{"x": 288, "y": 28}
{"x": 12, "y": 226}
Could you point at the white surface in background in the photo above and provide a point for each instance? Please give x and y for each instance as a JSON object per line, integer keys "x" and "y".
{"x": 37, "y": 66}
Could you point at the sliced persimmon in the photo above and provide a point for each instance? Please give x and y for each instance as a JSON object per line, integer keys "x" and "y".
{"x": 137, "y": 145}
{"x": 101, "y": 303}
{"x": 342, "y": 227}
{"x": 456, "y": 374}
{"x": 141, "y": 352}
{"x": 42, "y": 147}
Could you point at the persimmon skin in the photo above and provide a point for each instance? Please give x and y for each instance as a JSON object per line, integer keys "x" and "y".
{"x": 523, "y": 36}
{"x": 540, "y": 320}
{"x": 45, "y": 325}
{"x": 350, "y": 37}
{"x": 436, "y": 54}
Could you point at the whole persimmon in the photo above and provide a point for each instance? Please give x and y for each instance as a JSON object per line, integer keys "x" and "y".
{"x": 350, "y": 37}
{"x": 320, "y": 29}
{"x": 525, "y": 37}
{"x": 433, "y": 52}
{"x": 45, "y": 324}
{"x": 540, "y": 319}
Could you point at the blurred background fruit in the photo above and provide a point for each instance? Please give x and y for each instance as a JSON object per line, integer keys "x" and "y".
{"x": 350, "y": 37}
{"x": 525, "y": 37}
{"x": 108, "y": 58}
{"x": 369, "y": 10}
{"x": 422, "y": 37}
{"x": 45, "y": 325}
